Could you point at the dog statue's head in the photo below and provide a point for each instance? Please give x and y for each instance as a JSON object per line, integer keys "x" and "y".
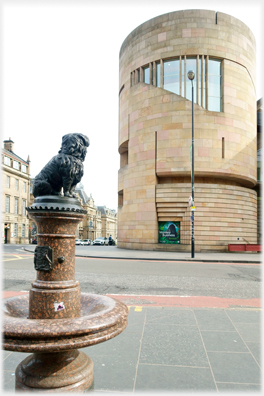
{"x": 75, "y": 144}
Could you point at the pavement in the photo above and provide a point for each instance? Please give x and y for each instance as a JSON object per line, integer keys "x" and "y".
{"x": 174, "y": 343}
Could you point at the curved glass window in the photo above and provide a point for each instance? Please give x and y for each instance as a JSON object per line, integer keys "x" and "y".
{"x": 171, "y": 76}
{"x": 207, "y": 84}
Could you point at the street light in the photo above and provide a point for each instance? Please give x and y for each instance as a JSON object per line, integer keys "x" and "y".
{"x": 191, "y": 76}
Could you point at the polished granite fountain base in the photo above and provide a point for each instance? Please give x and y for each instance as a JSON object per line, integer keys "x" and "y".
{"x": 55, "y": 364}
{"x": 55, "y": 372}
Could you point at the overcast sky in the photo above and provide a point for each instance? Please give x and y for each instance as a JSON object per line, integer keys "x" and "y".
{"x": 60, "y": 74}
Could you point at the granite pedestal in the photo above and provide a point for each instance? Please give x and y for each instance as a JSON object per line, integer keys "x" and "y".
{"x": 56, "y": 319}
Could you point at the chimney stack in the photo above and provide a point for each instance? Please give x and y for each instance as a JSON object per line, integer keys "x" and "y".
{"x": 8, "y": 145}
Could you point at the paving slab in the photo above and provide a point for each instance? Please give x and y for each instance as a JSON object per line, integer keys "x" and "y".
{"x": 235, "y": 367}
{"x": 174, "y": 378}
{"x": 173, "y": 349}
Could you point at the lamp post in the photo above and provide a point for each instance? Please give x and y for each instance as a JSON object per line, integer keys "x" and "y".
{"x": 191, "y": 76}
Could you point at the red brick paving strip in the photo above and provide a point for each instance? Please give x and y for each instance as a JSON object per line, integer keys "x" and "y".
{"x": 188, "y": 301}
{"x": 174, "y": 301}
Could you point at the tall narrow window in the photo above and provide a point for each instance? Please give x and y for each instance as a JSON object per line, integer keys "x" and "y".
{"x": 16, "y": 205}
{"x": 214, "y": 85}
{"x": 182, "y": 77}
{"x": 158, "y": 74}
{"x": 171, "y": 73}
{"x": 7, "y": 204}
{"x": 200, "y": 82}
{"x": 23, "y": 230}
{"x": 146, "y": 75}
{"x": 15, "y": 230}
{"x": 24, "y": 208}
{"x": 24, "y": 187}
{"x": 8, "y": 181}
{"x": 16, "y": 184}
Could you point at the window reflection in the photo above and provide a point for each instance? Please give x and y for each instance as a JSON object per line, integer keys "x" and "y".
{"x": 214, "y": 85}
{"x": 146, "y": 75}
{"x": 191, "y": 65}
{"x": 171, "y": 77}
{"x": 202, "y": 82}
{"x": 182, "y": 77}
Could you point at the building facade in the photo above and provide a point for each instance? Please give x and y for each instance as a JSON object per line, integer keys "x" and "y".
{"x": 92, "y": 223}
{"x": 99, "y": 221}
{"x": 109, "y": 222}
{"x": 15, "y": 196}
{"x": 155, "y": 124}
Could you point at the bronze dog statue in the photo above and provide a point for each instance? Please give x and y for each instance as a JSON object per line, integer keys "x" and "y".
{"x": 65, "y": 169}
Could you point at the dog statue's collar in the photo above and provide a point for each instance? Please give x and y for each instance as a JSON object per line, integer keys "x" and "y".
{"x": 56, "y": 203}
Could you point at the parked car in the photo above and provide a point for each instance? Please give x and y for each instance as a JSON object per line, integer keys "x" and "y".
{"x": 100, "y": 241}
{"x": 87, "y": 241}
{"x": 79, "y": 242}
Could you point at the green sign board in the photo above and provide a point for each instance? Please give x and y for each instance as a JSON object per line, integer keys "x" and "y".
{"x": 169, "y": 232}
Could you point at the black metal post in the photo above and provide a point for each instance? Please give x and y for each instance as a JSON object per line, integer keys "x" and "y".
{"x": 193, "y": 243}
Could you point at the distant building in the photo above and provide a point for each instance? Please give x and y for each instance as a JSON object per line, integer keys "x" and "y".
{"x": 99, "y": 221}
{"x": 109, "y": 222}
{"x": 15, "y": 195}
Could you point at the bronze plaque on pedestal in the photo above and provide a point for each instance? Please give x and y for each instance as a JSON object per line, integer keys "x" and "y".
{"x": 43, "y": 258}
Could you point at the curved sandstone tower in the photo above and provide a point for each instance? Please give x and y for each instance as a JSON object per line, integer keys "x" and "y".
{"x": 155, "y": 124}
